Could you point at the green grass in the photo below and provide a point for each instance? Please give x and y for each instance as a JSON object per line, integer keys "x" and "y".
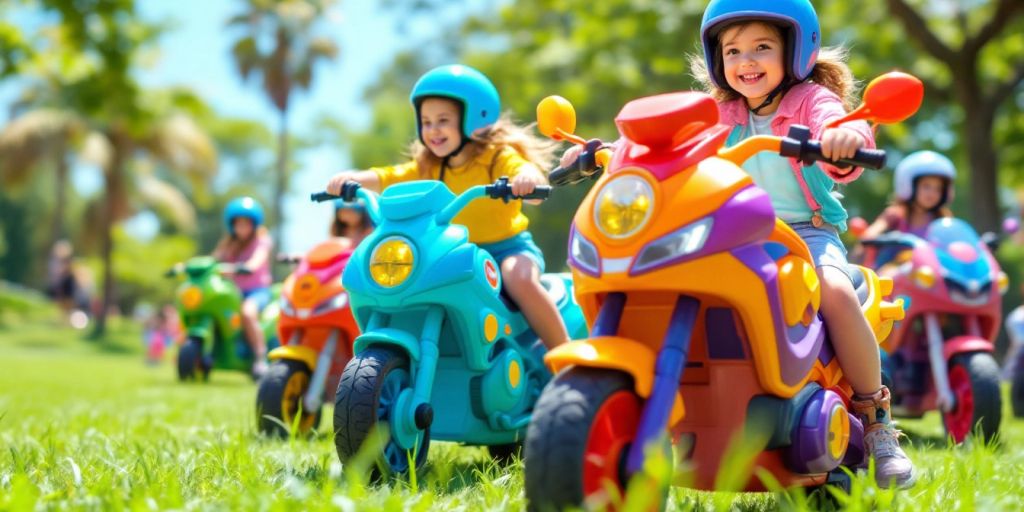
{"x": 86, "y": 425}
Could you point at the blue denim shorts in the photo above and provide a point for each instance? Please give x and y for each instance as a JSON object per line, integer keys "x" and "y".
{"x": 826, "y": 247}
{"x": 260, "y": 296}
{"x": 519, "y": 244}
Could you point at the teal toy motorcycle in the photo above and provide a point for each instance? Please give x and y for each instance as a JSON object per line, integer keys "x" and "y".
{"x": 210, "y": 306}
{"x": 444, "y": 355}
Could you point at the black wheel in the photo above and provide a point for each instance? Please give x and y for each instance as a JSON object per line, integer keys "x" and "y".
{"x": 279, "y": 398}
{"x": 190, "y": 361}
{"x": 505, "y": 454}
{"x": 369, "y": 388}
{"x": 974, "y": 379}
{"x": 1017, "y": 387}
{"x": 578, "y": 440}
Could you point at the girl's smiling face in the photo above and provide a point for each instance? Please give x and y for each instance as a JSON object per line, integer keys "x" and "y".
{"x": 242, "y": 227}
{"x": 752, "y": 55}
{"x": 440, "y": 121}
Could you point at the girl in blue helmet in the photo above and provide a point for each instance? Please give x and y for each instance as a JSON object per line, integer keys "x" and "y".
{"x": 763, "y": 61}
{"x": 351, "y": 221}
{"x": 248, "y": 244}
{"x": 464, "y": 141}
{"x": 924, "y": 188}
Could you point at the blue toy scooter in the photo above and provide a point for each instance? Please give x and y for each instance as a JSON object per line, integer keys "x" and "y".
{"x": 443, "y": 353}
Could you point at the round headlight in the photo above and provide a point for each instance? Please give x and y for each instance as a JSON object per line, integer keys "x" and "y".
{"x": 191, "y": 297}
{"x": 623, "y": 206}
{"x": 391, "y": 262}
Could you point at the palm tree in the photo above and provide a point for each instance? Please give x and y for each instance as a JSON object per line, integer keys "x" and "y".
{"x": 279, "y": 44}
{"x": 86, "y": 80}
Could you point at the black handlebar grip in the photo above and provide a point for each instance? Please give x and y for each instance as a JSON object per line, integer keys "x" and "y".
{"x": 348, "y": 191}
{"x": 798, "y": 144}
{"x": 320, "y": 197}
{"x": 539, "y": 192}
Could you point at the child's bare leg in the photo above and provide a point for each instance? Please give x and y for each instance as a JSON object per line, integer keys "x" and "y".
{"x": 251, "y": 327}
{"x": 852, "y": 338}
{"x": 857, "y": 350}
{"x": 522, "y": 281}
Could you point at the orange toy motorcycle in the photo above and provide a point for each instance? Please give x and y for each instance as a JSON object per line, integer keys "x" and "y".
{"x": 316, "y": 329}
{"x": 703, "y": 309}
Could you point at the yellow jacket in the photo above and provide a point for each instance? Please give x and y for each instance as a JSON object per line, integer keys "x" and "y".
{"x": 488, "y": 221}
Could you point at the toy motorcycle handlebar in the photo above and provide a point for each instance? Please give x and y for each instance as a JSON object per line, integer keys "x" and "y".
{"x": 798, "y": 144}
{"x": 501, "y": 189}
{"x": 585, "y": 166}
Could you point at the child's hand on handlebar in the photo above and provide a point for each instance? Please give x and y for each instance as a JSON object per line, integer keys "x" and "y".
{"x": 570, "y": 156}
{"x": 527, "y": 181}
{"x": 336, "y": 182}
{"x": 840, "y": 143}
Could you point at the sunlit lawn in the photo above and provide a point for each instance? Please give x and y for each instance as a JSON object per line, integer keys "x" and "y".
{"x": 87, "y": 425}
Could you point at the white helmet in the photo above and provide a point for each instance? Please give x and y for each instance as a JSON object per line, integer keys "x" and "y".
{"x": 923, "y": 163}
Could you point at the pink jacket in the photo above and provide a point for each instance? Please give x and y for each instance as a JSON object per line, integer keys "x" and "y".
{"x": 811, "y": 105}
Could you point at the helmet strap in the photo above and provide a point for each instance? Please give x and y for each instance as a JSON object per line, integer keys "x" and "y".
{"x": 783, "y": 86}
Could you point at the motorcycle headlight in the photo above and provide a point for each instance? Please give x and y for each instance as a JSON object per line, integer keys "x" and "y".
{"x": 674, "y": 245}
{"x": 1004, "y": 283}
{"x": 391, "y": 262}
{"x": 583, "y": 254}
{"x": 337, "y": 302}
{"x": 191, "y": 297}
{"x": 623, "y": 206}
{"x": 923, "y": 277}
{"x": 286, "y": 306}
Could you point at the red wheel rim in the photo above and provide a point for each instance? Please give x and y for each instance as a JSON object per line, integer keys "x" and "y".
{"x": 960, "y": 420}
{"x": 615, "y": 424}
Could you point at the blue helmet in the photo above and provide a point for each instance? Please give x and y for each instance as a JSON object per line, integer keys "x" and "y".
{"x": 797, "y": 18}
{"x": 919, "y": 164}
{"x": 481, "y": 105}
{"x": 243, "y": 207}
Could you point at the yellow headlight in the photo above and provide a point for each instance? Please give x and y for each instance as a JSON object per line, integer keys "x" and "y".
{"x": 391, "y": 262}
{"x": 623, "y": 206}
{"x": 191, "y": 297}
{"x": 1004, "y": 282}
{"x": 924, "y": 277}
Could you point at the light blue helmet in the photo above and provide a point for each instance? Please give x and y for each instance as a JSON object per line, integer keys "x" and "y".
{"x": 481, "y": 104}
{"x": 923, "y": 163}
{"x": 796, "y": 17}
{"x": 243, "y": 207}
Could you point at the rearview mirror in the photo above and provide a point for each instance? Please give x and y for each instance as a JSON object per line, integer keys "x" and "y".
{"x": 556, "y": 118}
{"x": 890, "y": 98}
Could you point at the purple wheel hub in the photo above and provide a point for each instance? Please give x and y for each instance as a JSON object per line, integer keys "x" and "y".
{"x": 821, "y": 438}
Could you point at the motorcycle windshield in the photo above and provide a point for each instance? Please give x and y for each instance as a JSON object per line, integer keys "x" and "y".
{"x": 959, "y": 251}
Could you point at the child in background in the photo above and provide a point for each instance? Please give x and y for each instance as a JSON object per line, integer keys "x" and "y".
{"x": 464, "y": 142}
{"x": 924, "y": 188}
{"x": 162, "y": 329}
{"x": 248, "y": 245}
{"x": 351, "y": 221}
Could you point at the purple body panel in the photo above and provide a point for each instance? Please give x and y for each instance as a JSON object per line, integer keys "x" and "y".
{"x": 855, "y": 456}
{"x": 747, "y": 217}
{"x": 723, "y": 340}
{"x": 809, "y": 453}
{"x": 827, "y": 353}
{"x": 796, "y": 356}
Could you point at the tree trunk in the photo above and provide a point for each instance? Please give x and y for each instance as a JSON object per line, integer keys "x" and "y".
{"x": 984, "y": 165}
{"x": 114, "y": 191}
{"x": 61, "y": 164}
{"x": 281, "y": 185}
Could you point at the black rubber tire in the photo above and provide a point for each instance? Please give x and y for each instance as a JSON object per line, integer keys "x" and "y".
{"x": 558, "y": 433}
{"x": 356, "y": 406}
{"x": 1017, "y": 387}
{"x": 988, "y": 404}
{"x": 270, "y": 398}
{"x": 506, "y": 454}
{"x": 190, "y": 361}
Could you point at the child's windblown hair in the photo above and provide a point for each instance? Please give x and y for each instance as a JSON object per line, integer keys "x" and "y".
{"x": 503, "y": 133}
{"x": 830, "y": 71}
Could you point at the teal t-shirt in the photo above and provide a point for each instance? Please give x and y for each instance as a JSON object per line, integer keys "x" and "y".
{"x": 774, "y": 174}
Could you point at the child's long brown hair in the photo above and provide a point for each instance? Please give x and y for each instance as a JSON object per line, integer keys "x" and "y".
{"x": 230, "y": 247}
{"x": 503, "y": 133}
{"x": 830, "y": 70}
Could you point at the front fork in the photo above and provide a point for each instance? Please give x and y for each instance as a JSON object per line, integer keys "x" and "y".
{"x": 668, "y": 370}
{"x": 413, "y": 412}
{"x": 933, "y": 331}
{"x": 314, "y": 395}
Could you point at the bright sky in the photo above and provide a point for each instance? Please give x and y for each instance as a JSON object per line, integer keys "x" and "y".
{"x": 196, "y": 53}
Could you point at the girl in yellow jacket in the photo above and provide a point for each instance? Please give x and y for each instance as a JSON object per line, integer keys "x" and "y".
{"x": 464, "y": 142}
